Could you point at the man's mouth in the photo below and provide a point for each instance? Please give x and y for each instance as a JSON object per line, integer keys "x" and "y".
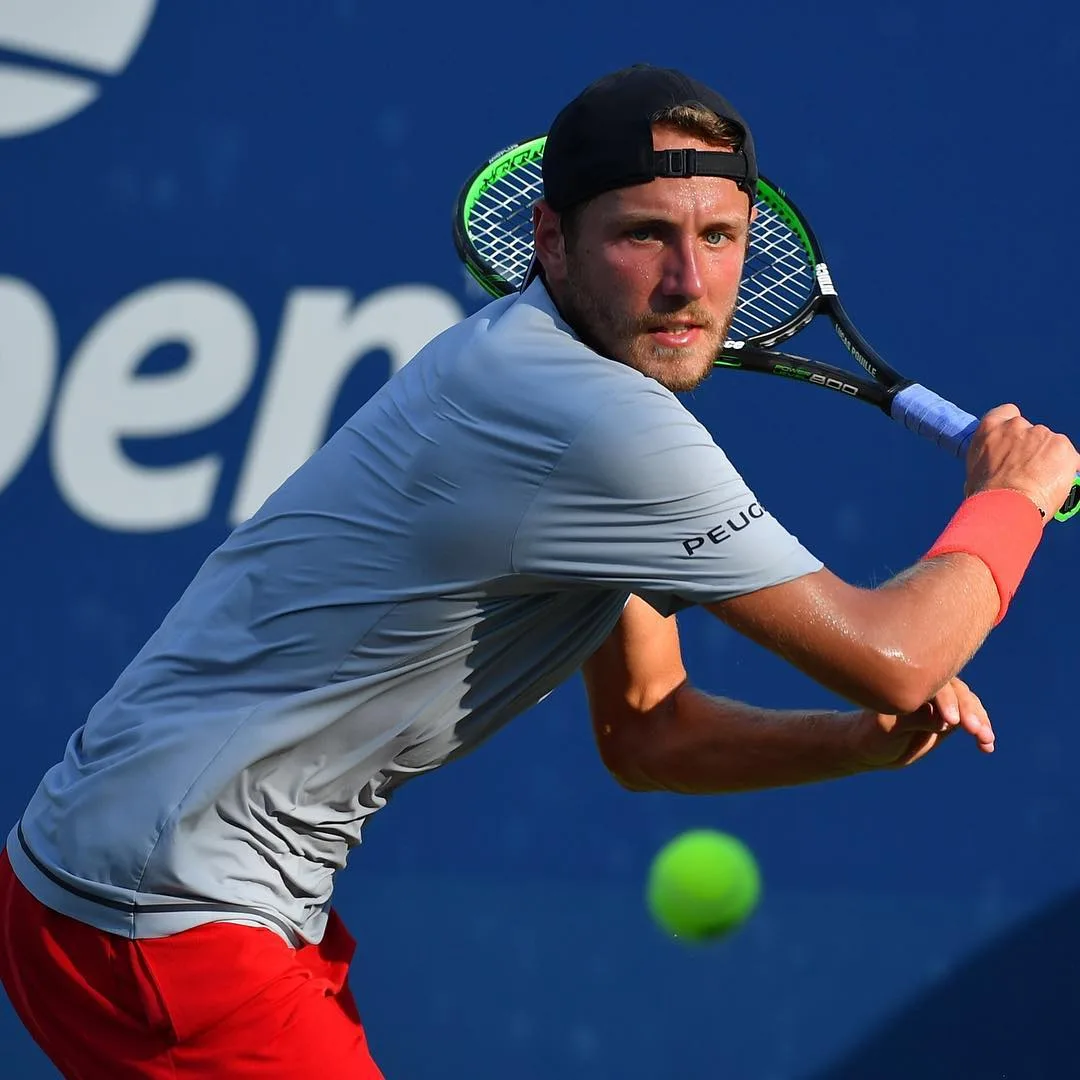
{"x": 676, "y": 335}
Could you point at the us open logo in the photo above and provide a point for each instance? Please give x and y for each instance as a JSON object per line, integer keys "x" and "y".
{"x": 57, "y": 55}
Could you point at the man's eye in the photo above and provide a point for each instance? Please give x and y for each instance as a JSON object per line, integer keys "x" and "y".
{"x": 642, "y": 234}
{"x": 715, "y": 237}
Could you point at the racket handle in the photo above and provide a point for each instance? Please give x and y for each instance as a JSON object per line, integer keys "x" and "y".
{"x": 930, "y": 415}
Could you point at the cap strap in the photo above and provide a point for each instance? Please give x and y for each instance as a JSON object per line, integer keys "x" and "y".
{"x": 691, "y": 162}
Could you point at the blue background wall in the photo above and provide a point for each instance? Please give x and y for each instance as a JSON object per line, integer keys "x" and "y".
{"x": 271, "y": 183}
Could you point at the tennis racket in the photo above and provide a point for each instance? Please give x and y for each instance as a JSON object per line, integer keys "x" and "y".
{"x": 786, "y": 283}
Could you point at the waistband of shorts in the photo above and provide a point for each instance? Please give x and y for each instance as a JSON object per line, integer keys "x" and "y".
{"x": 123, "y": 911}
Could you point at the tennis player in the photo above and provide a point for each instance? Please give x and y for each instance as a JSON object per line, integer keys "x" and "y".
{"x": 527, "y": 498}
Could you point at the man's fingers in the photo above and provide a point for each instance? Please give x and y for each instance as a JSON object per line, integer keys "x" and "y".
{"x": 1001, "y": 413}
{"x": 957, "y": 706}
{"x": 954, "y": 707}
{"x": 974, "y": 719}
{"x": 946, "y": 705}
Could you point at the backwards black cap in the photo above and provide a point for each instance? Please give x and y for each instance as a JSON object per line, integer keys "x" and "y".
{"x": 602, "y": 140}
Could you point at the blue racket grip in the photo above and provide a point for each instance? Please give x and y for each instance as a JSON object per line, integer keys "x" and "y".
{"x": 931, "y": 416}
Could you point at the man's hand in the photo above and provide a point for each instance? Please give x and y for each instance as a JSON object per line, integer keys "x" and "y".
{"x": 891, "y": 742}
{"x": 1007, "y": 451}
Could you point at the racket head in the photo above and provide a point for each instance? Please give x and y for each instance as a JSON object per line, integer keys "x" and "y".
{"x": 782, "y": 279}
{"x": 781, "y": 288}
{"x": 493, "y": 230}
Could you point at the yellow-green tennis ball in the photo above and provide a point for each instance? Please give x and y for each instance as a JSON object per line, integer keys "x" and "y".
{"x": 703, "y": 884}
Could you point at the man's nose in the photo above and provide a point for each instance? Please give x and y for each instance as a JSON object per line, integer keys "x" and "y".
{"x": 682, "y": 271}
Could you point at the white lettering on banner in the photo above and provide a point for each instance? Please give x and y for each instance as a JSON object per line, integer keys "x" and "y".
{"x": 323, "y": 335}
{"x": 103, "y": 399}
{"x": 28, "y": 362}
{"x": 98, "y": 37}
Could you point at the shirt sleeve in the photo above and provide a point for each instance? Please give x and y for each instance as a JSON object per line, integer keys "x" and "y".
{"x": 644, "y": 500}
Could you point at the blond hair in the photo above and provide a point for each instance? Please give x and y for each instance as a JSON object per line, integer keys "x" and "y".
{"x": 702, "y": 124}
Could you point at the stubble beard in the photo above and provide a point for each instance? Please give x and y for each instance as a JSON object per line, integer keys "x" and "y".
{"x": 627, "y": 338}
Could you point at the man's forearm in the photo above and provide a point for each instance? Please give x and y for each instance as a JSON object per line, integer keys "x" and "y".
{"x": 889, "y": 648}
{"x": 698, "y": 744}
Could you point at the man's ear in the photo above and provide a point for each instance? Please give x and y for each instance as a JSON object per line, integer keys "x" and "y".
{"x": 548, "y": 240}
{"x": 753, "y": 218}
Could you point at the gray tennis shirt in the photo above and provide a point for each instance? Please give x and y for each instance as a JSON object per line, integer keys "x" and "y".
{"x": 452, "y": 554}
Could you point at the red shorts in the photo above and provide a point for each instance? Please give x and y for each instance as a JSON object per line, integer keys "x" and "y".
{"x": 218, "y": 1001}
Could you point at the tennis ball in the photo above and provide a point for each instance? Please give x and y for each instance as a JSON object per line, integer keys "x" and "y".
{"x": 702, "y": 884}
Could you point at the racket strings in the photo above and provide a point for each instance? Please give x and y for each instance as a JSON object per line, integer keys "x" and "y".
{"x": 500, "y": 222}
{"x": 778, "y": 277}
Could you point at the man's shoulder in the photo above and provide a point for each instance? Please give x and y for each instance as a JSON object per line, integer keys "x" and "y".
{"x": 516, "y": 373}
{"x": 637, "y": 444}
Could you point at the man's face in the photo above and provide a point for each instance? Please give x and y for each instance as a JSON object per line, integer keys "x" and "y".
{"x": 651, "y": 273}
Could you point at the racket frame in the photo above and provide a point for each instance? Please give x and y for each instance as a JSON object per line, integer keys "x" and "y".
{"x": 498, "y": 165}
{"x": 757, "y": 352}
{"x": 754, "y": 353}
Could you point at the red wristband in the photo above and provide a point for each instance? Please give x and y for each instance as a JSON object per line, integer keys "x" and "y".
{"x": 1000, "y": 526}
